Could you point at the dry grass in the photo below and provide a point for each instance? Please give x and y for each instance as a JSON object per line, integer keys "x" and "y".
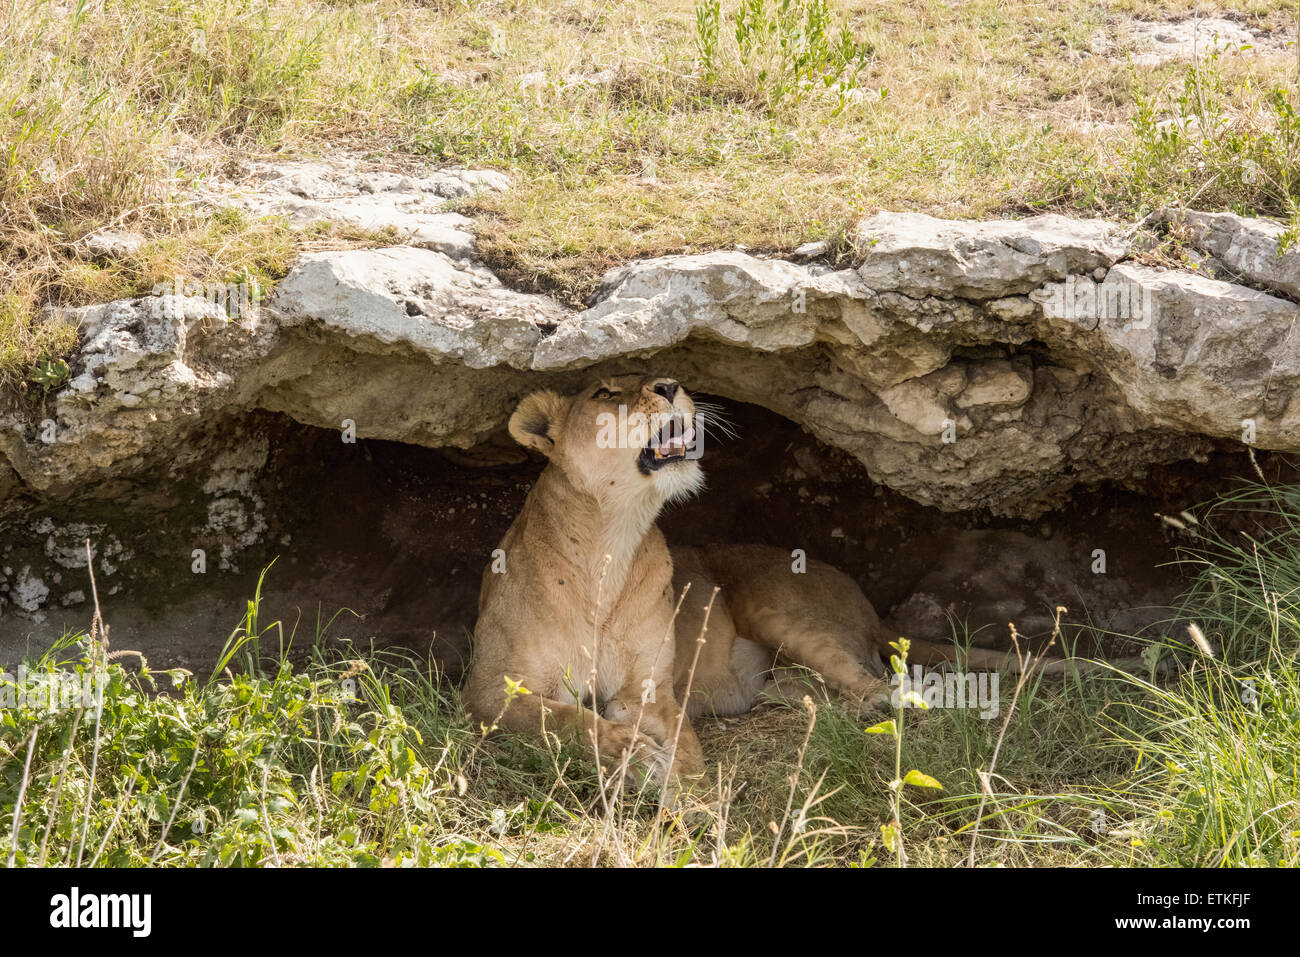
{"x": 618, "y": 145}
{"x": 373, "y": 762}
{"x": 111, "y": 112}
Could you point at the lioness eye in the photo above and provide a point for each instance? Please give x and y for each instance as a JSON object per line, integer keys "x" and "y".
{"x": 603, "y": 394}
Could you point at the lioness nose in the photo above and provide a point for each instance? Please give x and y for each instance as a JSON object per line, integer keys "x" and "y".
{"x": 666, "y": 389}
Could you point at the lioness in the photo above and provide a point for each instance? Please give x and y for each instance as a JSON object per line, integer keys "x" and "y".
{"x": 578, "y": 603}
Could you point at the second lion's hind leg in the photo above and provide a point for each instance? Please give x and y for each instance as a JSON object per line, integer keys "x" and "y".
{"x": 848, "y": 664}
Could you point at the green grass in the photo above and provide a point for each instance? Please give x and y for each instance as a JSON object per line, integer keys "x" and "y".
{"x": 111, "y": 112}
{"x": 703, "y": 138}
{"x": 766, "y": 124}
{"x": 372, "y": 761}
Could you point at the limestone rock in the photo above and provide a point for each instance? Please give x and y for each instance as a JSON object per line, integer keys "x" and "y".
{"x": 1246, "y": 246}
{"x": 991, "y": 365}
{"x": 410, "y": 207}
{"x": 424, "y": 300}
{"x": 1162, "y": 41}
{"x": 111, "y": 244}
{"x": 919, "y": 256}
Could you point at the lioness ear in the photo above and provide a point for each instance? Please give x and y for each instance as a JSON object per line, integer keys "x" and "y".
{"x": 533, "y": 423}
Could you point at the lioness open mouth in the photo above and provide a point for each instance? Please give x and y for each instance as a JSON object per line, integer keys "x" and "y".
{"x": 670, "y": 445}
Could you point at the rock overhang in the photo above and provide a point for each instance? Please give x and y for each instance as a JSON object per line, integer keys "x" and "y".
{"x": 968, "y": 365}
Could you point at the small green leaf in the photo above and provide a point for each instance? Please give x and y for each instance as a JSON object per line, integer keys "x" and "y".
{"x": 914, "y": 699}
{"x": 889, "y": 837}
{"x": 885, "y": 727}
{"x": 917, "y": 779}
{"x": 51, "y": 373}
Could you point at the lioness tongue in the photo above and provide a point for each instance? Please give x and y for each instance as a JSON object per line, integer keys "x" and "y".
{"x": 676, "y": 442}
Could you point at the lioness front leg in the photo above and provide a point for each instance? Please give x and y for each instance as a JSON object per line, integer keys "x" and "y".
{"x": 660, "y": 717}
{"x": 534, "y": 714}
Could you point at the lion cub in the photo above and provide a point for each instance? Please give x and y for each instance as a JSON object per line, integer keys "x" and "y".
{"x": 578, "y": 604}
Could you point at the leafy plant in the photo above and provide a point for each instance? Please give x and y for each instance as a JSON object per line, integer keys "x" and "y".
{"x": 267, "y": 765}
{"x": 891, "y": 833}
{"x": 778, "y": 53}
{"x": 1215, "y": 144}
{"x": 50, "y": 373}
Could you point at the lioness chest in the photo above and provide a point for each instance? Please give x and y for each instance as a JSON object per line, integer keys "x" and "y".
{"x": 621, "y": 644}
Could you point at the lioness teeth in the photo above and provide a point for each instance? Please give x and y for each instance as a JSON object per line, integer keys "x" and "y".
{"x": 672, "y": 446}
{"x": 676, "y": 442}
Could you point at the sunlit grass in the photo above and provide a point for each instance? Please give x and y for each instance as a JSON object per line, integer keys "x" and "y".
{"x": 620, "y": 139}
{"x": 371, "y": 760}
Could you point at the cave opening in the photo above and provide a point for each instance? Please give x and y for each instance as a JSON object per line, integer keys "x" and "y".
{"x": 382, "y": 544}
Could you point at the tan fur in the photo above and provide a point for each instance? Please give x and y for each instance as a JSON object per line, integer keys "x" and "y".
{"x": 767, "y": 614}
{"x": 819, "y": 619}
{"x": 588, "y": 578}
{"x": 582, "y": 614}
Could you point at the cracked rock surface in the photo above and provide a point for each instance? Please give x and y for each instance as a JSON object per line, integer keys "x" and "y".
{"x": 966, "y": 365}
